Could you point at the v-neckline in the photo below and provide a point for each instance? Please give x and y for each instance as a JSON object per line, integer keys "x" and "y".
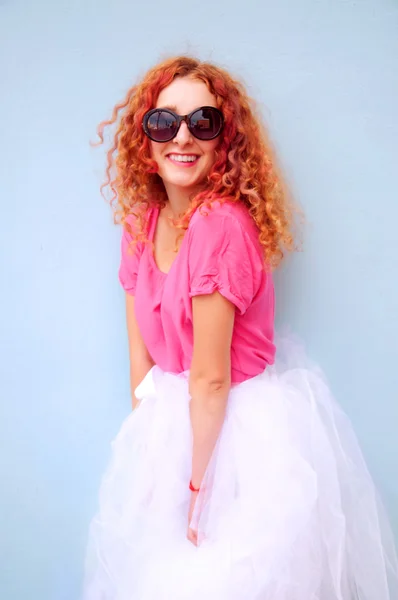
{"x": 151, "y": 246}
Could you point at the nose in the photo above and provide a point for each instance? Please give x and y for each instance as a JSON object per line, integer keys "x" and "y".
{"x": 183, "y": 136}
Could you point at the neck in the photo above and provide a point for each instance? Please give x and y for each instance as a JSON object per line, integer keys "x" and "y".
{"x": 179, "y": 199}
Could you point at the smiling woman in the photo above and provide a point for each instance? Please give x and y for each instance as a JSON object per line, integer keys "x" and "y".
{"x": 234, "y": 478}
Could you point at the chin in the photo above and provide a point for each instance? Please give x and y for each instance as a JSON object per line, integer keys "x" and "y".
{"x": 183, "y": 182}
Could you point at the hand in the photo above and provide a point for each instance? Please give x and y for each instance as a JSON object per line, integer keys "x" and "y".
{"x": 192, "y": 535}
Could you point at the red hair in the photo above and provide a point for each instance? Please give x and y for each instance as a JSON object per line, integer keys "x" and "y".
{"x": 244, "y": 170}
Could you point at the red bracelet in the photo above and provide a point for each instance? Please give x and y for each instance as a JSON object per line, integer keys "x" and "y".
{"x": 192, "y": 488}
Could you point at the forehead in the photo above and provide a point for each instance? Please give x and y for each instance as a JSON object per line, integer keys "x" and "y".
{"x": 184, "y": 95}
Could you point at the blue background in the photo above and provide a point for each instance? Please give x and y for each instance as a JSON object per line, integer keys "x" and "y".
{"x": 325, "y": 74}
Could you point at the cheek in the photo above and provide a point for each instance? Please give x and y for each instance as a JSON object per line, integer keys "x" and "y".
{"x": 211, "y": 154}
{"x": 209, "y": 150}
{"x": 155, "y": 150}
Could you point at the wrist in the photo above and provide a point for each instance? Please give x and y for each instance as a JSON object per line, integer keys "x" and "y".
{"x": 194, "y": 488}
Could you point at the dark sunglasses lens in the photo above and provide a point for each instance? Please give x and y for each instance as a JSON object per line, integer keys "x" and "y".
{"x": 161, "y": 126}
{"x": 206, "y": 123}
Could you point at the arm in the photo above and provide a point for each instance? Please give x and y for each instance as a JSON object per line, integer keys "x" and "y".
{"x": 140, "y": 360}
{"x": 210, "y": 378}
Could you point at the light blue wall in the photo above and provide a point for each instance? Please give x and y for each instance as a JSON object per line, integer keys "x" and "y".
{"x": 326, "y": 74}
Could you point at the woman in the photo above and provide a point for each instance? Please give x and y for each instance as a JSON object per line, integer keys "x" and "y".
{"x": 233, "y": 478}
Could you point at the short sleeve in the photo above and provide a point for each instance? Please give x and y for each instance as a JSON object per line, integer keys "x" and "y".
{"x": 130, "y": 260}
{"x": 224, "y": 258}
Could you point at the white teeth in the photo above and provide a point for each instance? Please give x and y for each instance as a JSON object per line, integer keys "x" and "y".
{"x": 183, "y": 157}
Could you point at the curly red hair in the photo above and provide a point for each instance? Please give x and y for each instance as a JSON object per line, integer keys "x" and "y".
{"x": 245, "y": 169}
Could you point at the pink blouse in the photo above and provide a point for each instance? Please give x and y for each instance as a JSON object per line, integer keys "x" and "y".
{"x": 220, "y": 251}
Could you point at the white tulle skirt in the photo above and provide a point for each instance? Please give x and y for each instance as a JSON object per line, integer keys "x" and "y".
{"x": 287, "y": 511}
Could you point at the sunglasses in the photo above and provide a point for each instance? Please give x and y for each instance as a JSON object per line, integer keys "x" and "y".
{"x": 162, "y": 124}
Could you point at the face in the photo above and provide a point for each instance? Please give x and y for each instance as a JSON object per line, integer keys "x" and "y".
{"x": 183, "y": 96}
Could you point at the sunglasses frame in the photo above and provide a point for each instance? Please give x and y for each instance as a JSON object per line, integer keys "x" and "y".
{"x": 180, "y": 119}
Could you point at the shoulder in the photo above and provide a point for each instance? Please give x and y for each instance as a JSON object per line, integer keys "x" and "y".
{"x": 138, "y": 223}
{"x": 224, "y": 254}
{"x": 218, "y": 210}
{"x": 225, "y": 220}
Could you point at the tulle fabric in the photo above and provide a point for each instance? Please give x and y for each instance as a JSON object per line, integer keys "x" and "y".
{"x": 287, "y": 509}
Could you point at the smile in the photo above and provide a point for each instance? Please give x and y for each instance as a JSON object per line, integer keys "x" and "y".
{"x": 186, "y": 160}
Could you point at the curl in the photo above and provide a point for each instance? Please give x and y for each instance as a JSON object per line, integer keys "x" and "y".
{"x": 245, "y": 168}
